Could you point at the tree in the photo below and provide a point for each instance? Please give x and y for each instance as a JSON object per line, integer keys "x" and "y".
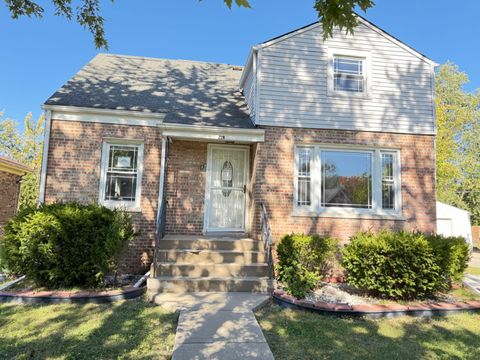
{"x": 458, "y": 141}
{"x": 25, "y": 148}
{"x": 331, "y": 13}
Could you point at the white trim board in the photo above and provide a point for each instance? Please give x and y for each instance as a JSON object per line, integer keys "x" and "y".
{"x": 191, "y": 132}
{"x": 213, "y": 133}
{"x": 46, "y": 142}
{"x": 105, "y": 118}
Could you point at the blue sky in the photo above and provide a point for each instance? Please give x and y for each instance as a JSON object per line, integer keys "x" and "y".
{"x": 38, "y": 56}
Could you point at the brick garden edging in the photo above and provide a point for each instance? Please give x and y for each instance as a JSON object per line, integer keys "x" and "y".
{"x": 55, "y": 297}
{"x": 375, "y": 311}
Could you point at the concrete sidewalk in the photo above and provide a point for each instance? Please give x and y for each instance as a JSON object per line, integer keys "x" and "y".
{"x": 218, "y": 326}
{"x": 473, "y": 282}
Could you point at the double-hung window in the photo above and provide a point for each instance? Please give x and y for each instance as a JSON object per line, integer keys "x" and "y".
{"x": 349, "y": 73}
{"x": 121, "y": 174}
{"x": 347, "y": 180}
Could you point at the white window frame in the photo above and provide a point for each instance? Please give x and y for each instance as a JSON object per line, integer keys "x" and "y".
{"x": 315, "y": 209}
{"x": 133, "y": 206}
{"x": 365, "y": 56}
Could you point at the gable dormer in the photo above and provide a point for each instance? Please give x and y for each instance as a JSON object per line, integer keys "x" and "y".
{"x": 368, "y": 81}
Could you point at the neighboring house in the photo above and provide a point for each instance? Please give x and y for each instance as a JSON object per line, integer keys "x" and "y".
{"x": 11, "y": 174}
{"x": 194, "y": 148}
{"x": 453, "y": 221}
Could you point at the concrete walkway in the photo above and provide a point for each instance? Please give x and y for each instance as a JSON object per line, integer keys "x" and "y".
{"x": 217, "y": 326}
{"x": 475, "y": 260}
{"x": 473, "y": 282}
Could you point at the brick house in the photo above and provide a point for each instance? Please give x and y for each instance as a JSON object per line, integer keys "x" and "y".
{"x": 11, "y": 174}
{"x": 309, "y": 136}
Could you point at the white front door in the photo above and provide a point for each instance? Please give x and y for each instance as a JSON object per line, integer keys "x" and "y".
{"x": 226, "y": 188}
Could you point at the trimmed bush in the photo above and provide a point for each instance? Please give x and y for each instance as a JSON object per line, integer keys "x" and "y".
{"x": 65, "y": 244}
{"x": 452, "y": 255}
{"x": 402, "y": 265}
{"x": 302, "y": 261}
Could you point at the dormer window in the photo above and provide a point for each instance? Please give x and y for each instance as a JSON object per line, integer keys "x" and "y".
{"x": 348, "y": 72}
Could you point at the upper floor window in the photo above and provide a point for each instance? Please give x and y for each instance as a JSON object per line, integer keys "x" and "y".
{"x": 348, "y": 72}
{"x": 121, "y": 171}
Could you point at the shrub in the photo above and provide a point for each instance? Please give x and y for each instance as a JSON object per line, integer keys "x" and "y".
{"x": 452, "y": 255}
{"x": 403, "y": 265}
{"x": 302, "y": 260}
{"x": 394, "y": 265}
{"x": 65, "y": 244}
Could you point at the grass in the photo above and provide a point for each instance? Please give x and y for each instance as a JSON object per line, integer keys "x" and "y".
{"x": 294, "y": 334}
{"x": 131, "y": 329}
{"x": 473, "y": 270}
{"x": 464, "y": 294}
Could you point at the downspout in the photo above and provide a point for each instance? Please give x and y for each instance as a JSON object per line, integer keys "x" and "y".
{"x": 46, "y": 141}
{"x": 160, "y": 226}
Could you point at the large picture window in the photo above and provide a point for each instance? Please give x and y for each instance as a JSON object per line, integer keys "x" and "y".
{"x": 346, "y": 179}
{"x": 355, "y": 180}
{"x": 121, "y": 175}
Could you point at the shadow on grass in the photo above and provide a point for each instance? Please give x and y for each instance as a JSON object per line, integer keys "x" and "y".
{"x": 294, "y": 334}
{"x": 129, "y": 329}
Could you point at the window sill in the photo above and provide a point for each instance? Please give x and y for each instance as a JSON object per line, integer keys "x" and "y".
{"x": 347, "y": 214}
{"x": 348, "y": 94}
{"x": 122, "y": 206}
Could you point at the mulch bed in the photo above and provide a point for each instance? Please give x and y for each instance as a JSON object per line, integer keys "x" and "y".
{"x": 376, "y": 310}
{"x": 25, "y": 292}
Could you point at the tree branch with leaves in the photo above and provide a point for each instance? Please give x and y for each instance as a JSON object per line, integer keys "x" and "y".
{"x": 25, "y": 148}
{"x": 331, "y": 13}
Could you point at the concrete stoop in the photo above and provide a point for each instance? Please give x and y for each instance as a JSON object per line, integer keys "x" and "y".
{"x": 209, "y": 264}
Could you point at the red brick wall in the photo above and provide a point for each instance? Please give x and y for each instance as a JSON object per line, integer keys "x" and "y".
{"x": 185, "y": 182}
{"x": 73, "y": 174}
{"x": 9, "y": 191}
{"x": 274, "y": 172}
{"x": 74, "y": 169}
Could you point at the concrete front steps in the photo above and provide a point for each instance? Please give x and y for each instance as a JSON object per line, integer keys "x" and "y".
{"x": 209, "y": 264}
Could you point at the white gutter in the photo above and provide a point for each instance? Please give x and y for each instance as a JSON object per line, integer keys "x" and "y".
{"x": 213, "y": 133}
{"x": 87, "y": 110}
{"x": 46, "y": 141}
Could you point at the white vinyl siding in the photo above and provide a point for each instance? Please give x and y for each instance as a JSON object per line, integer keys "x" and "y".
{"x": 294, "y": 85}
{"x": 249, "y": 91}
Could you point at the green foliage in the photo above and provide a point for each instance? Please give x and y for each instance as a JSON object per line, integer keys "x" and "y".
{"x": 87, "y": 14}
{"x": 452, "y": 255}
{"x": 339, "y": 13}
{"x": 64, "y": 245}
{"x": 458, "y": 141}
{"x": 402, "y": 265}
{"x": 332, "y": 13}
{"x": 25, "y": 148}
{"x": 302, "y": 260}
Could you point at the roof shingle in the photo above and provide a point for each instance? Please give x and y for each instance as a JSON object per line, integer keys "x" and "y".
{"x": 186, "y": 92}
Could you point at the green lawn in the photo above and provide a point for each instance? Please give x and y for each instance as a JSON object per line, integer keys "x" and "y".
{"x": 294, "y": 334}
{"x": 131, "y": 329}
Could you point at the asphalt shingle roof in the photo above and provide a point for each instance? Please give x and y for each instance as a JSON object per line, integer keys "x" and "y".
{"x": 187, "y": 92}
